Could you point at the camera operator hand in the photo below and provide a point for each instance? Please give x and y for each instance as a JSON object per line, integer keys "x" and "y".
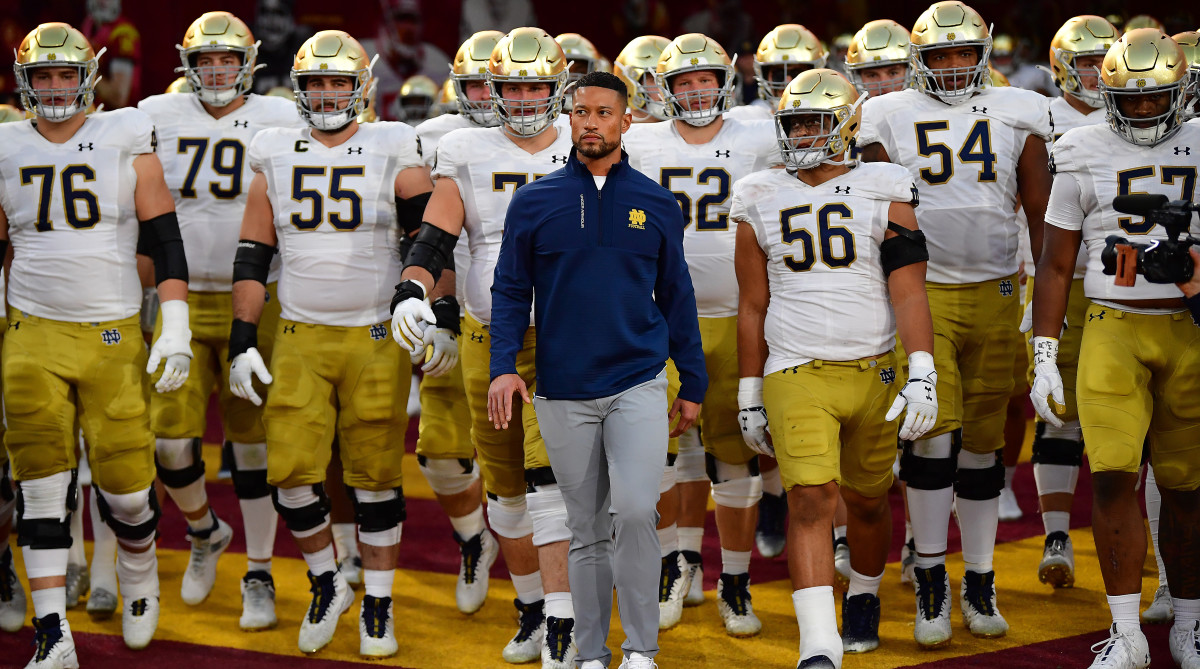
{"x": 1192, "y": 287}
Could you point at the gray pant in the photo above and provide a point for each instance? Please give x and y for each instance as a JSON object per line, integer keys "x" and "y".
{"x": 608, "y": 456}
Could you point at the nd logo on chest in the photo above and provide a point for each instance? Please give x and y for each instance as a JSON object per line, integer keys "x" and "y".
{"x": 637, "y": 219}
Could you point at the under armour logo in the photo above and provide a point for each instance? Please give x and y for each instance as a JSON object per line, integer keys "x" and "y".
{"x": 88, "y": 147}
{"x": 794, "y": 369}
{"x": 1097, "y": 316}
{"x": 111, "y": 337}
{"x": 844, "y": 190}
{"x": 1183, "y": 150}
{"x": 1006, "y": 288}
{"x": 289, "y": 329}
{"x": 916, "y": 199}
{"x": 978, "y": 110}
{"x": 557, "y": 159}
{"x": 241, "y": 124}
{"x": 354, "y": 149}
{"x": 887, "y": 375}
{"x": 477, "y": 337}
{"x": 378, "y": 331}
{"x": 15, "y": 325}
{"x": 722, "y": 154}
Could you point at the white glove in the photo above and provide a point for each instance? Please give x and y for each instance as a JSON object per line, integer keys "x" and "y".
{"x": 753, "y": 417}
{"x": 409, "y": 321}
{"x": 1047, "y": 382}
{"x": 444, "y": 345}
{"x": 1027, "y": 317}
{"x": 174, "y": 344}
{"x": 918, "y": 396}
{"x": 240, "y": 380}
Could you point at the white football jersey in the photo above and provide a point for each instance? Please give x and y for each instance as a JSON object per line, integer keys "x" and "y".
{"x": 759, "y": 110}
{"x": 71, "y": 217}
{"x": 204, "y": 164}
{"x": 430, "y": 133}
{"x": 963, "y": 159}
{"x": 1105, "y": 166}
{"x": 701, "y": 176}
{"x": 488, "y": 168}
{"x": 829, "y": 297}
{"x": 335, "y": 216}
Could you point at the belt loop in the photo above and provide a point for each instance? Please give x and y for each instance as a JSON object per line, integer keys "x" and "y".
{"x": 817, "y": 364}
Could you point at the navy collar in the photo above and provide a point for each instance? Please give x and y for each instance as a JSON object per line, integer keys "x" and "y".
{"x": 577, "y": 168}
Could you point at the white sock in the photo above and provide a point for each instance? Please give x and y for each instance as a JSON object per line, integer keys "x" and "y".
{"x": 668, "y": 539}
{"x": 1125, "y": 610}
{"x": 50, "y": 600}
{"x": 690, "y": 538}
{"x": 863, "y": 585}
{"x": 908, "y": 535}
{"x": 735, "y": 562}
{"x": 469, "y": 525}
{"x": 817, "y": 619}
{"x": 1009, "y": 472}
{"x": 1056, "y": 521}
{"x": 137, "y": 573}
{"x": 1187, "y": 612}
{"x": 772, "y": 483}
{"x": 258, "y": 565}
{"x": 923, "y": 562}
{"x": 104, "y": 550}
{"x": 378, "y": 582}
{"x": 1153, "y": 509}
{"x": 260, "y": 521}
{"x": 345, "y": 540}
{"x": 839, "y": 532}
{"x": 322, "y": 561}
{"x": 559, "y": 605}
{"x": 528, "y": 586}
{"x": 930, "y": 514}
{"x": 76, "y": 554}
{"x": 979, "y": 520}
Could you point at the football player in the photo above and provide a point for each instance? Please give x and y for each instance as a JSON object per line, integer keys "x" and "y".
{"x": 786, "y": 51}
{"x": 477, "y": 171}
{"x": 972, "y": 149}
{"x": 202, "y": 140}
{"x": 74, "y": 186}
{"x": 414, "y": 104}
{"x": 582, "y": 57}
{"x": 635, "y": 66}
{"x": 12, "y": 594}
{"x": 332, "y": 197}
{"x": 1143, "y": 354}
{"x": 830, "y": 395}
{"x": 877, "y": 60}
{"x": 698, "y": 155}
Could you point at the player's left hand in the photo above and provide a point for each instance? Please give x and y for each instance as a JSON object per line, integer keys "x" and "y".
{"x": 173, "y": 345}
{"x": 917, "y": 399}
{"x": 444, "y": 346}
{"x": 409, "y": 321}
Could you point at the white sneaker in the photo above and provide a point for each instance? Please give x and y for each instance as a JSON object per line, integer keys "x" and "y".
{"x": 1161, "y": 611}
{"x": 79, "y": 582}
{"x": 201, "y": 573}
{"x": 908, "y": 561}
{"x": 55, "y": 647}
{"x": 1185, "y": 645}
{"x": 352, "y": 570}
{"x": 733, "y": 603}
{"x": 672, "y": 588}
{"x": 695, "y": 579}
{"x": 139, "y": 620}
{"x": 526, "y": 644}
{"x": 376, "y": 634}
{"x": 558, "y": 649}
{"x": 102, "y": 604}
{"x": 1009, "y": 509}
{"x": 12, "y": 596}
{"x": 977, "y": 597}
{"x": 1058, "y": 561}
{"x": 841, "y": 562}
{"x": 638, "y": 661}
{"x": 932, "y": 629}
{"x": 332, "y": 597}
{"x": 592, "y": 664}
{"x": 258, "y": 602}
{"x": 1122, "y": 650}
{"x": 478, "y": 555}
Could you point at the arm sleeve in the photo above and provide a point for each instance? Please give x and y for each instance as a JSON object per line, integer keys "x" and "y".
{"x": 1064, "y": 209}
{"x": 512, "y": 288}
{"x": 676, "y": 299}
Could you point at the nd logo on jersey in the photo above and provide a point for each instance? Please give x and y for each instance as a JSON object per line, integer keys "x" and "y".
{"x": 637, "y": 219}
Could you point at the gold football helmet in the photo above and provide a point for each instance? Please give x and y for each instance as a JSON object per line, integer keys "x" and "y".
{"x": 219, "y": 31}
{"x": 370, "y": 114}
{"x": 950, "y": 24}
{"x": 996, "y": 78}
{"x": 417, "y": 96}
{"x": 1144, "y": 21}
{"x": 527, "y": 55}
{"x": 56, "y": 45}
{"x": 331, "y": 53}
{"x": 1190, "y": 43}
{"x": 581, "y": 53}
{"x": 10, "y": 114}
{"x": 470, "y": 64}
{"x": 695, "y": 52}
{"x": 637, "y": 60}
{"x": 447, "y": 99}
{"x": 880, "y": 43}
{"x": 1144, "y": 62}
{"x": 180, "y": 85}
{"x": 1085, "y": 35}
{"x": 828, "y": 108}
{"x": 783, "y": 53}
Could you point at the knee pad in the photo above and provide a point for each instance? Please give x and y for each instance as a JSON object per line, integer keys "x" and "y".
{"x": 1058, "y": 445}
{"x": 178, "y": 461}
{"x": 248, "y": 466}
{"x": 304, "y": 509}
{"x": 448, "y": 476}
{"x": 548, "y": 513}
{"x": 980, "y": 476}
{"x": 689, "y": 464}
{"x": 378, "y": 514}
{"x": 668, "y": 478}
{"x": 133, "y": 516}
{"x": 735, "y": 486}
{"x": 929, "y": 464}
{"x": 509, "y": 516}
{"x": 44, "y": 509}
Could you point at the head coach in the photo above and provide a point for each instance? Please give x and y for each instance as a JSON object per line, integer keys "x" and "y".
{"x": 601, "y": 247}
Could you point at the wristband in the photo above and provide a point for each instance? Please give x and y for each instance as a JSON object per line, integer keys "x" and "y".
{"x": 447, "y": 312}
{"x": 750, "y": 394}
{"x": 1045, "y": 350}
{"x": 920, "y": 366}
{"x": 174, "y": 314}
{"x": 243, "y": 336}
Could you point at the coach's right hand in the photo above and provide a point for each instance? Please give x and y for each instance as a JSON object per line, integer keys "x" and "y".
{"x": 241, "y": 372}
{"x": 410, "y": 314}
{"x": 1047, "y": 382}
{"x": 500, "y": 398}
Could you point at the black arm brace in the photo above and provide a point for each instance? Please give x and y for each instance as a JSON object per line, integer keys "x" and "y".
{"x": 433, "y": 250}
{"x": 159, "y": 238}
{"x": 906, "y": 248}
{"x": 447, "y": 311}
{"x": 252, "y": 261}
{"x": 410, "y": 212}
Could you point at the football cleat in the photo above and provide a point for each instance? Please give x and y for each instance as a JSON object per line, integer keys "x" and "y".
{"x": 672, "y": 587}
{"x": 332, "y": 597}
{"x": 478, "y": 555}
{"x": 12, "y": 596}
{"x": 1185, "y": 645}
{"x": 908, "y": 561}
{"x": 1161, "y": 611}
{"x": 771, "y": 535}
{"x": 841, "y": 562}
{"x": 733, "y": 603}
{"x": 1009, "y": 509}
{"x": 139, "y": 621}
{"x": 1058, "y": 561}
{"x": 376, "y": 634}
{"x": 79, "y": 581}
{"x": 352, "y": 570}
{"x": 558, "y": 650}
{"x": 207, "y": 547}
{"x": 638, "y": 661}
{"x": 694, "y": 574}
{"x": 55, "y": 647}
{"x": 932, "y": 628}
{"x": 1123, "y": 649}
{"x": 258, "y": 602}
{"x": 102, "y": 604}
{"x": 816, "y": 662}
{"x": 526, "y": 644}
{"x": 860, "y": 623}
{"x": 978, "y": 601}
